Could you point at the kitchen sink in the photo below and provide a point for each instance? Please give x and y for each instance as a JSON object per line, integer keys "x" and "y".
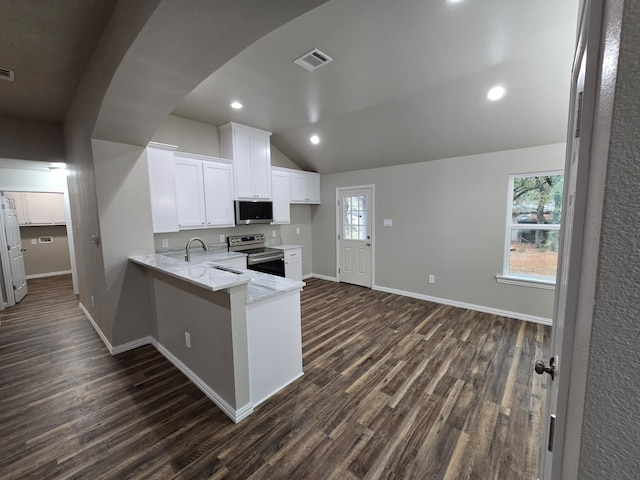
{"x": 226, "y": 269}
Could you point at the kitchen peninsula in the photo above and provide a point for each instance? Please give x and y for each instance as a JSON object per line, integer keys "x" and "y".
{"x": 235, "y": 333}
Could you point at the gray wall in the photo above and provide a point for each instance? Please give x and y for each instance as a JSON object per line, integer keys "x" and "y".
{"x": 31, "y": 140}
{"x": 611, "y": 422}
{"x": 448, "y": 220}
{"x": 125, "y": 94}
{"x": 44, "y": 258}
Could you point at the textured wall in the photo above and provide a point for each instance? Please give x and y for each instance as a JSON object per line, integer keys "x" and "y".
{"x": 611, "y": 425}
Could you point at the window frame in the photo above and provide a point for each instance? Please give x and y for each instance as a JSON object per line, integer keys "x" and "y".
{"x": 507, "y": 277}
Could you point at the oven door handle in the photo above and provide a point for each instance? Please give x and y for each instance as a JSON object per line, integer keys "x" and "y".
{"x": 259, "y": 260}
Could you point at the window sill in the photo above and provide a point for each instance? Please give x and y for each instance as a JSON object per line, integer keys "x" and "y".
{"x": 527, "y": 282}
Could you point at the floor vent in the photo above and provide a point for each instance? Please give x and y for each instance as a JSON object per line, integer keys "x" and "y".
{"x": 6, "y": 74}
{"x": 312, "y": 60}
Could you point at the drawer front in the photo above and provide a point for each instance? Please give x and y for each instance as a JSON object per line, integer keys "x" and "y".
{"x": 293, "y": 253}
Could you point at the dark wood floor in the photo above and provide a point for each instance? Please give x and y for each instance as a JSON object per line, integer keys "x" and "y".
{"x": 393, "y": 388}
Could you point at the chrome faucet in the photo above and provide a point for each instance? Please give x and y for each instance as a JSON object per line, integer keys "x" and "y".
{"x": 187, "y": 255}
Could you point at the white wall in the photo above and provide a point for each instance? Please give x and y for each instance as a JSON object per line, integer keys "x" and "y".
{"x": 448, "y": 220}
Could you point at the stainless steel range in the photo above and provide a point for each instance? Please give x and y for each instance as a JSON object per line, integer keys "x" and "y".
{"x": 259, "y": 257}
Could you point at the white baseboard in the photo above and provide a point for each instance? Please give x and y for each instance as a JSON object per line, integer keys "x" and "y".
{"x": 148, "y": 340}
{"x": 49, "y": 274}
{"x": 445, "y": 301}
{"x": 96, "y": 328}
{"x": 233, "y": 414}
{"x": 323, "y": 277}
{"x": 468, "y": 306}
{"x": 281, "y": 387}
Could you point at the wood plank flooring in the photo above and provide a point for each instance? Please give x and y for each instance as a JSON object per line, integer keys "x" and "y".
{"x": 394, "y": 388}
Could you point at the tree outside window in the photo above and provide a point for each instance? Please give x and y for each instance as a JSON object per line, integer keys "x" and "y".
{"x": 533, "y": 225}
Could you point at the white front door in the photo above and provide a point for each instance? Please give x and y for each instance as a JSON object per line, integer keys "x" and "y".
{"x": 564, "y": 316}
{"x": 14, "y": 244}
{"x": 355, "y": 235}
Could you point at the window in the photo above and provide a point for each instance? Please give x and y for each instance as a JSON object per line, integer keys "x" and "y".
{"x": 533, "y": 228}
{"x": 354, "y": 219}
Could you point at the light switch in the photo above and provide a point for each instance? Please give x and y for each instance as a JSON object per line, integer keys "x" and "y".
{"x": 165, "y": 243}
{"x": 388, "y": 222}
{"x": 33, "y": 241}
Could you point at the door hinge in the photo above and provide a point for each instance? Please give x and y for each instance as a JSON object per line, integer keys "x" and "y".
{"x": 338, "y": 236}
{"x": 552, "y": 428}
{"x": 14, "y": 287}
{"x": 338, "y": 270}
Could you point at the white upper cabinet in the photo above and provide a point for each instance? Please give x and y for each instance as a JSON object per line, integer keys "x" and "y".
{"x": 305, "y": 187}
{"x": 38, "y": 208}
{"x": 189, "y": 192}
{"x": 218, "y": 193}
{"x": 204, "y": 191}
{"x": 281, "y": 190}
{"x": 164, "y": 210}
{"x": 250, "y": 150}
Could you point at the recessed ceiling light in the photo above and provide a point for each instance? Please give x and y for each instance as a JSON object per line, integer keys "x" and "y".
{"x": 453, "y": 1}
{"x": 236, "y": 105}
{"x": 496, "y": 93}
{"x": 315, "y": 139}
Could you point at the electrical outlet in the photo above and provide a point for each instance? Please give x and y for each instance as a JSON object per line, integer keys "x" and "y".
{"x": 297, "y": 230}
{"x": 93, "y": 303}
{"x": 165, "y": 243}
{"x": 34, "y": 241}
{"x": 222, "y": 238}
{"x": 273, "y": 233}
{"x": 187, "y": 339}
{"x": 432, "y": 279}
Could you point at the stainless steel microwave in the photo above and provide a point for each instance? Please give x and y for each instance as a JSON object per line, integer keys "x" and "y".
{"x": 253, "y": 211}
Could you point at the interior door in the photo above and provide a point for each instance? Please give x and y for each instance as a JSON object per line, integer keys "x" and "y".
{"x": 568, "y": 271}
{"x": 356, "y": 236}
{"x": 14, "y": 244}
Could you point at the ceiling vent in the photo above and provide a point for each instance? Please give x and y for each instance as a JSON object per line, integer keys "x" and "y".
{"x": 313, "y": 60}
{"x": 6, "y": 74}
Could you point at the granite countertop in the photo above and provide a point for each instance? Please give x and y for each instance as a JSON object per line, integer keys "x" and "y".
{"x": 285, "y": 247}
{"x": 202, "y": 271}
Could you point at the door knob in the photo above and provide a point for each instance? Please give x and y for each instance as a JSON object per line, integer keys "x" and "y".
{"x": 541, "y": 368}
{"x": 368, "y": 244}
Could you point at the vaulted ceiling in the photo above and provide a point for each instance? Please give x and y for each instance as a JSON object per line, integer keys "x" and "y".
{"x": 407, "y": 83}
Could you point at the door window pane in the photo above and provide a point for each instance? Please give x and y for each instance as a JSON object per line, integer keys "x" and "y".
{"x": 354, "y": 220}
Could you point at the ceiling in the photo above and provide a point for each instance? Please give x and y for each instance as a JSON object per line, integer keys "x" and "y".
{"x": 48, "y": 45}
{"x": 407, "y": 83}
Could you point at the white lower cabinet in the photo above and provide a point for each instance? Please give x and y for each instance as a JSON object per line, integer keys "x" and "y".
{"x": 292, "y": 262}
{"x": 204, "y": 195}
